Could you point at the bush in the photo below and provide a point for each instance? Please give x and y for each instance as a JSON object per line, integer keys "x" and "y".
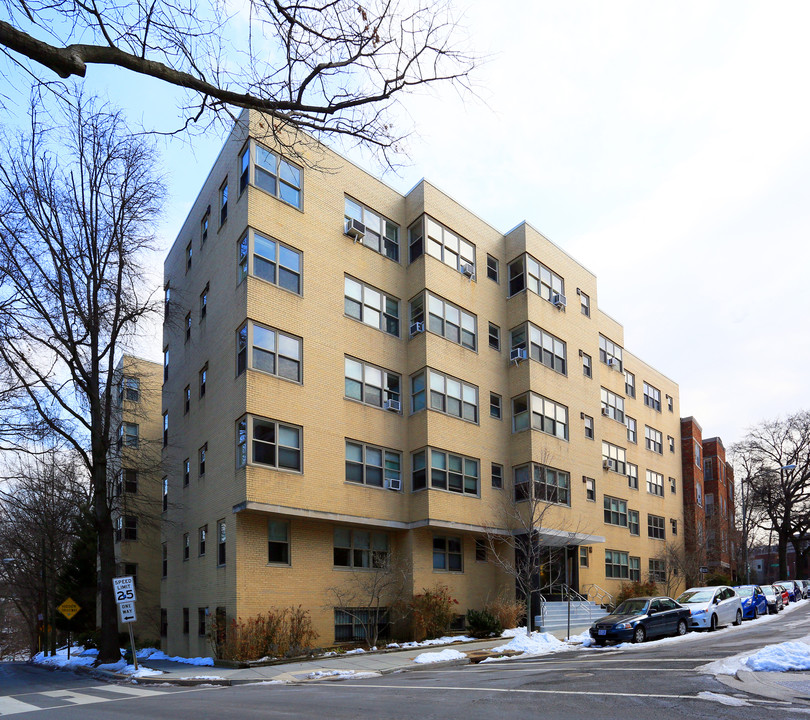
{"x": 482, "y": 624}
{"x": 279, "y": 633}
{"x": 432, "y": 612}
{"x": 636, "y": 589}
{"x": 717, "y": 579}
{"x": 509, "y": 613}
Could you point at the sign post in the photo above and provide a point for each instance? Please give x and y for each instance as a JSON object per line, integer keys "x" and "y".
{"x": 69, "y": 608}
{"x": 124, "y": 589}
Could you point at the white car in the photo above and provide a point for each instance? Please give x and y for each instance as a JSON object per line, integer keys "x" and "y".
{"x": 712, "y": 607}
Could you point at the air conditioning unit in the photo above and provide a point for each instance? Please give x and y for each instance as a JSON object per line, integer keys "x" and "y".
{"x": 559, "y": 300}
{"x": 467, "y": 269}
{"x": 611, "y": 362}
{"x": 393, "y": 484}
{"x": 355, "y": 229}
{"x": 605, "y": 411}
{"x": 517, "y": 354}
{"x": 417, "y": 327}
{"x": 609, "y": 464}
{"x": 393, "y": 405}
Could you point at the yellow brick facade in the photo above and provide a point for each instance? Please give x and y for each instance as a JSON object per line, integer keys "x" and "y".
{"x": 318, "y": 498}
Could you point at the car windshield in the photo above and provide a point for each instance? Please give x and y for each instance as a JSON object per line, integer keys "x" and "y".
{"x": 696, "y": 596}
{"x": 631, "y": 607}
{"x": 768, "y": 590}
{"x": 745, "y": 591}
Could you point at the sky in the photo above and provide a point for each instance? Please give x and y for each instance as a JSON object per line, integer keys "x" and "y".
{"x": 665, "y": 146}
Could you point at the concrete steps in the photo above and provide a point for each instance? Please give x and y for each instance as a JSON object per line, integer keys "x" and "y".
{"x": 582, "y": 613}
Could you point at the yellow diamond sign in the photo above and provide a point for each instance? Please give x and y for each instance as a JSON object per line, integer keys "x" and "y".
{"x": 69, "y": 608}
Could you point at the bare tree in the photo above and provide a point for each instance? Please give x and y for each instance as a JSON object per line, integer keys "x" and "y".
{"x": 775, "y": 457}
{"x": 78, "y": 201}
{"x": 333, "y": 67}
{"x": 374, "y": 596}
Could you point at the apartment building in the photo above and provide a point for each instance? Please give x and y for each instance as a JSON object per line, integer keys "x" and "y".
{"x": 136, "y": 487}
{"x": 351, "y": 373}
{"x": 721, "y": 540}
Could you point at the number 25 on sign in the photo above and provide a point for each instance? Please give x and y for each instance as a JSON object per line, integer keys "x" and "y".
{"x": 124, "y": 588}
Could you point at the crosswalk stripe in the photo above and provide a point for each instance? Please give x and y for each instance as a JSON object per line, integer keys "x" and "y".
{"x": 125, "y": 690}
{"x": 10, "y": 706}
{"x": 73, "y": 697}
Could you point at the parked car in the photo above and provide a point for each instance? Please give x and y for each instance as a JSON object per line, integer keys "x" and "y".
{"x": 785, "y": 594}
{"x": 712, "y": 607}
{"x": 774, "y": 598}
{"x": 640, "y": 618}
{"x": 806, "y": 585}
{"x": 793, "y": 589}
{"x": 754, "y": 602}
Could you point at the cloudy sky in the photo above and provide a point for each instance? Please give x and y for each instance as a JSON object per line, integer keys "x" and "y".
{"x": 666, "y": 146}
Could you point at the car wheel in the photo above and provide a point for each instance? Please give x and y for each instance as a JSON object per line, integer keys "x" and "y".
{"x": 738, "y": 619}
{"x": 713, "y": 624}
{"x": 682, "y": 627}
{"x": 639, "y": 635}
{"x": 599, "y": 643}
{"x": 756, "y": 613}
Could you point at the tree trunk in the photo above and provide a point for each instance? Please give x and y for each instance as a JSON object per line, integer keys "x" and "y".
{"x": 109, "y": 647}
{"x": 782, "y": 545}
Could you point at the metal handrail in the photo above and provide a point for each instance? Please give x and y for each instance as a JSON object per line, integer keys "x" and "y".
{"x": 598, "y": 595}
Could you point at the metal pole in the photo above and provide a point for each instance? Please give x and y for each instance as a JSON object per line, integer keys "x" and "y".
{"x": 132, "y": 645}
{"x": 568, "y": 591}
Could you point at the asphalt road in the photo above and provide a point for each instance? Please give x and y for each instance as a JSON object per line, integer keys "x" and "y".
{"x": 656, "y": 680}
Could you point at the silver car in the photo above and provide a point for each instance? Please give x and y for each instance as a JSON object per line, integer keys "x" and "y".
{"x": 712, "y": 607}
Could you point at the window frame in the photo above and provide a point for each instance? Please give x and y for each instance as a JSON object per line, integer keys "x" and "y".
{"x": 537, "y": 351}
{"x": 442, "y": 549}
{"x": 384, "y": 315}
{"x": 422, "y": 238}
{"x": 370, "y": 557}
{"x": 493, "y": 269}
{"x": 421, "y": 310}
{"x": 245, "y": 439}
{"x": 384, "y": 241}
{"x": 619, "y": 457}
{"x": 532, "y": 401}
{"x": 632, "y": 432}
{"x": 544, "y": 283}
{"x": 284, "y": 174}
{"x": 388, "y": 378}
{"x": 247, "y": 349}
{"x": 496, "y": 475}
{"x": 386, "y": 471}
{"x": 427, "y": 381}
{"x": 535, "y": 483}
{"x": 655, "y": 483}
{"x": 654, "y": 440}
{"x": 431, "y": 472}
{"x": 652, "y": 396}
{"x": 612, "y": 405}
{"x": 278, "y": 544}
{"x": 249, "y": 257}
{"x": 615, "y": 511}
{"x": 656, "y": 527}
{"x": 608, "y": 349}
{"x": 494, "y": 336}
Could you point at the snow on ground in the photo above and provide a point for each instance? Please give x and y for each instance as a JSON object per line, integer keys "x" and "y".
{"x": 538, "y": 643}
{"x": 153, "y": 654}
{"x": 341, "y": 675}
{"x": 723, "y": 699}
{"x": 446, "y": 640}
{"x": 781, "y": 657}
{"x": 441, "y": 656}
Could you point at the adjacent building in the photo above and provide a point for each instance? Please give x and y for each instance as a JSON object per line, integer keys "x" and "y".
{"x": 351, "y": 373}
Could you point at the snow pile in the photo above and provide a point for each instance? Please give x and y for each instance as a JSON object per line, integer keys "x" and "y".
{"x": 160, "y": 655}
{"x": 358, "y": 651}
{"x": 538, "y": 643}
{"x": 723, "y": 699}
{"x": 445, "y": 640}
{"x": 785, "y": 656}
{"x": 583, "y": 639}
{"x": 441, "y": 656}
{"x": 60, "y": 660}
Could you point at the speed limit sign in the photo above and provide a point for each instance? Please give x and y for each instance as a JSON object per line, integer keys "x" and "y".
{"x": 124, "y": 588}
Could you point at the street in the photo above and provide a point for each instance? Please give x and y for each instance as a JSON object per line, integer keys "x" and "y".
{"x": 654, "y": 680}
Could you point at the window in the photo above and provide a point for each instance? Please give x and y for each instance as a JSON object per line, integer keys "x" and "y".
{"x": 496, "y": 471}
{"x": 588, "y": 420}
{"x": 494, "y": 336}
{"x": 447, "y": 554}
{"x": 583, "y": 556}
{"x": 652, "y": 397}
{"x": 445, "y": 319}
{"x": 447, "y": 395}
{"x": 633, "y": 522}
{"x": 273, "y": 444}
{"x": 370, "y": 465}
{"x": 669, "y": 403}
{"x": 708, "y": 469}
{"x": 658, "y": 571}
{"x": 617, "y": 564}
{"x": 590, "y": 489}
{"x": 698, "y": 462}
{"x": 448, "y": 471}
{"x": 126, "y": 528}
{"x": 381, "y": 235}
{"x": 221, "y": 538}
{"x": 587, "y": 365}
{"x": 126, "y": 481}
{"x": 671, "y": 443}
{"x": 165, "y": 494}
{"x": 201, "y": 453}
{"x": 493, "y": 269}
{"x": 165, "y": 364}
{"x": 351, "y": 623}
{"x": 481, "y": 550}
{"x": 167, "y": 298}
{"x": 269, "y": 260}
{"x": 539, "y": 413}
{"x": 202, "y": 534}
{"x": 186, "y": 399}
{"x": 201, "y": 614}
{"x": 204, "y": 226}
{"x": 186, "y": 472}
{"x": 188, "y": 257}
{"x": 223, "y": 203}
{"x": 655, "y": 527}
{"x": 544, "y": 347}
{"x": 187, "y": 326}
{"x": 654, "y": 439}
{"x": 164, "y": 622}
{"x": 370, "y": 384}
{"x": 610, "y": 353}
{"x": 370, "y": 306}
{"x": 632, "y": 433}
{"x": 186, "y": 547}
{"x": 635, "y": 569}
{"x": 550, "y": 485}
{"x": 128, "y": 435}
{"x": 585, "y": 304}
{"x": 204, "y": 303}
{"x": 632, "y": 476}
{"x": 615, "y": 456}
{"x": 526, "y": 272}
{"x": 495, "y": 407}
{"x": 443, "y": 244}
{"x": 268, "y": 350}
{"x": 672, "y": 486}
{"x": 164, "y": 562}
{"x": 186, "y": 621}
{"x": 278, "y": 542}
{"x": 612, "y": 405}
{"x": 271, "y": 173}
{"x": 629, "y": 384}
{"x": 615, "y": 511}
{"x": 360, "y": 548}
{"x": 655, "y": 483}
{"x": 165, "y": 428}
{"x": 673, "y": 526}
{"x": 698, "y": 495}
{"x": 129, "y": 389}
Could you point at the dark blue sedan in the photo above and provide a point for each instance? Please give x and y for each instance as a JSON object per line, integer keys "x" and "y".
{"x": 640, "y": 618}
{"x": 754, "y": 602}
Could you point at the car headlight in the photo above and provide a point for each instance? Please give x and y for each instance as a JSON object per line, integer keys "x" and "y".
{"x": 624, "y": 626}
{"x": 698, "y": 612}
